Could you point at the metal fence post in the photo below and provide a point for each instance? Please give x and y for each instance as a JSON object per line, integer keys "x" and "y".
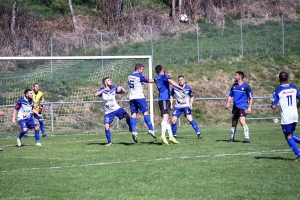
{"x": 152, "y": 46}
{"x": 51, "y": 54}
{"x": 198, "y": 43}
{"x": 282, "y": 27}
{"x": 52, "y": 117}
{"x": 101, "y": 46}
{"x": 242, "y": 42}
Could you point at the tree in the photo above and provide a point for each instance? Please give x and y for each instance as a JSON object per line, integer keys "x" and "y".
{"x": 14, "y": 17}
{"x": 73, "y": 15}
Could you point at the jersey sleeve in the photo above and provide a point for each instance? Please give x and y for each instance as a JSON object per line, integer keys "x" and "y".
{"x": 172, "y": 91}
{"x": 249, "y": 92}
{"x": 191, "y": 92}
{"x": 275, "y": 98}
{"x": 230, "y": 94}
{"x": 18, "y": 105}
{"x": 144, "y": 79}
{"x": 99, "y": 91}
{"x": 298, "y": 94}
{"x": 42, "y": 99}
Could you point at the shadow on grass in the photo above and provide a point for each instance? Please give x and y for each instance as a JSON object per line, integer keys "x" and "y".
{"x": 228, "y": 141}
{"x": 153, "y": 143}
{"x": 96, "y": 143}
{"x": 273, "y": 158}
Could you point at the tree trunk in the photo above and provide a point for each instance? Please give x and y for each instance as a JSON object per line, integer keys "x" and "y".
{"x": 180, "y": 7}
{"x": 73, "y": 15}
{"x": 173, "y": 9}
{"x": 5, "y": 18}
{"x": 14, "y": 17}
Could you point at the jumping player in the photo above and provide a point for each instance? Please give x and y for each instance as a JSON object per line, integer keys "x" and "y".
{"x": 163, "y": 86}
{"x": 137, "y": 101}
{"x": 111, "y": 107}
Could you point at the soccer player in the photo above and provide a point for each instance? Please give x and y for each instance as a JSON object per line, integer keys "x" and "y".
{"x": 111, "y": 107}
{"x": 184, "y": 103}
{"x": 137, "y": 101}
{"x": 38, "y": 99}
{"x": 1, "y": 115}
{"x": 163, "y": 86}
{"x": 242, "y": 105}
{"x": 286, "y": 94}
{"x": 25, "y": 109}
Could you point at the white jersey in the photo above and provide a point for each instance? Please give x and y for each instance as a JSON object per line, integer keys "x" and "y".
{"x": 182, "y": 98}
{"x": 287, "y": 96}
{"x": 109, "y": 99}
{"x": 135, "y": 82}
{"x": 24, "y": 107}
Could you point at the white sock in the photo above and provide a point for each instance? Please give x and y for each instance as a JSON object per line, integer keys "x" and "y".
{"x": 163, "y": 128}
{"x": 169, "y": 129}
{"x": 246, "y": 131}
{"x": 232, "y": 132}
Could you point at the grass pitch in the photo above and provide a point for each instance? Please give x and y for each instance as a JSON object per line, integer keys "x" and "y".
{"x": 82, "y": 167}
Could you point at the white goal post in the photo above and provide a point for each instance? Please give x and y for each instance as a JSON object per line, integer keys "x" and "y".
{"x": 128, "y": 61}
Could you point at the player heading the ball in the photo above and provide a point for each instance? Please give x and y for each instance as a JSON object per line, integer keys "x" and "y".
{"x": 138, "y": 102}
{"x": 111, "y": 107}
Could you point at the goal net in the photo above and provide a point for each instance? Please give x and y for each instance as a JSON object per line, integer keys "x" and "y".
{"x": 69, "y": 85}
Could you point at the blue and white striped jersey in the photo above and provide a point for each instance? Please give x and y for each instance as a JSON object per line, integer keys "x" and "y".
{"x": 135, "y": 82}
{"x": 182, "y": 98}
{"x": 24, "y": 107}
{"x": 109, "y": 99}
{"x": 286, "y": 95}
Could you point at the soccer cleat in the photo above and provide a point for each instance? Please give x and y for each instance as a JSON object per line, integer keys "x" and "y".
{"x": 38, "y": 144}
{"x": 134, "y": 136}
{"x": 19, "y": 142}
{"x": 1, "y": 149}
{"x": 231, "y": 140}
{"x": 108, "y": 144}
{"x": 172, "y": 139}
{"x": 199, "y": 135}
{"x": 297, "y": 159}
{"x": 164, "y": 139}
{"x": 150, "y": 132}
{"x": 246, "y": 140}
{"x": 44, "y": 135}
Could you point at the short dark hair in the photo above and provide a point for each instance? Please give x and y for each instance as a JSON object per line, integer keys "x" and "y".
{"x": 104, "y": 79}
{"x": 35, "y": 84}
{"x": 241, "y": 74}
{"x": 283, "y": 77}
{"x": 138, "y": 66}
{"x": 158, "y": 69}
{"x": 180, "y": 76}
{"x": 27, "y": 90}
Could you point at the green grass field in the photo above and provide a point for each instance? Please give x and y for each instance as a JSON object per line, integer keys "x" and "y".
{"x": 82, "y": 167}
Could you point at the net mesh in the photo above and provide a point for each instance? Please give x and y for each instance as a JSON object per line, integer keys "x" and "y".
{"x": 69, "y": 87}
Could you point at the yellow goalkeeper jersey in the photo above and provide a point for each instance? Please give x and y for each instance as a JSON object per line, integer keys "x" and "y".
{"x": 38, "y": 99}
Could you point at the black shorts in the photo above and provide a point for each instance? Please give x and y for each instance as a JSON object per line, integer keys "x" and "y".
{"x": 164, "y": 106}
{"x": 238, "y": 112}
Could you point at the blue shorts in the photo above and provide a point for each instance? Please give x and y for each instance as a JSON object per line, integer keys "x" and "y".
{"x": 38, "y": 117}
{"x": 288, "y": 128}
{"x": 109, "y": 118}
{"x": 138, "y": 105}
{"x": 177, "y": 111}
{"x": 27, "y": 123}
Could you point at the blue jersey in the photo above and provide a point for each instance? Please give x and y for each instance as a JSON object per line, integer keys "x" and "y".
{"x": 109, "y": 99}
{"x": 135, "y": 82}
{"x": 24, "y": 107}
{"x": 163, "y": 86}
{"x": 182, "y": 98}
{"x": 241, "y": 94}
{"x": 286, "y": 95}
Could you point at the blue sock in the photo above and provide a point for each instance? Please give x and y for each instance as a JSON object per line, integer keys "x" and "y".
{"x": 108, "y": 136}
{"x": 22, "y": 133}
{"x": 174, "y": 129}
{"x": 195, "y": 126}
{"x": 296, "y": 138}
{"x": 37, "y": 136}
{"x": 129, "y": 124}
{"x": 293, "y": 146}
{"x": 148, "y": 122}
{"x": 26, "y": 133}
{"x": 133, "y": 123}
{"x": 42, "y": 126}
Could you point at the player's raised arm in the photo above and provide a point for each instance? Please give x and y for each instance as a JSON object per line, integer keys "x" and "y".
{"x": 176, "y": 84}
{"x": 121, "y": 90}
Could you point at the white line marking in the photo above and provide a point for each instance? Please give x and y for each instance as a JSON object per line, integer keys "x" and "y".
{"x": 151, "y": 160}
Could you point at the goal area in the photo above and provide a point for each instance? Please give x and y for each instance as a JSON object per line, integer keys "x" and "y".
{"x": 69, "y": 84}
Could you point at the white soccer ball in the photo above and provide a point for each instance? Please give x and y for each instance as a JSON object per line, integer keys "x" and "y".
{"x": 183, "y": 18}
{"x": 275, "y": 120}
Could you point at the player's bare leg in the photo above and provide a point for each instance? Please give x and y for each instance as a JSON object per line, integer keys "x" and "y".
{"x": 246, "y": 129}
{"x": 233, "y": 129}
